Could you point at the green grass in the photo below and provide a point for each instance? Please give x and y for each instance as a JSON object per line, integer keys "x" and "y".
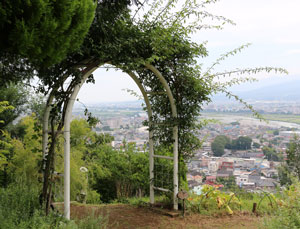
{"x": 20, "y": 208}
{"x": 208, "y": 205}
{"x": 264, "y": 204}
{"x": 287, "y": 215}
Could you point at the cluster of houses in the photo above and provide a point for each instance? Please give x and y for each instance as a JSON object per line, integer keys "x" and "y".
{"x": 250, "y": 168}
{"x": 249, "y": 173}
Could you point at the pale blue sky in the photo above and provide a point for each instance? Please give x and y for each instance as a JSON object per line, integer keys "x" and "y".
{"x": 272, "y": 26}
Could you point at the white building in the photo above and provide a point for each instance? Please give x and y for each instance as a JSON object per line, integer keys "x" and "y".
{"x": 213, "y": 166}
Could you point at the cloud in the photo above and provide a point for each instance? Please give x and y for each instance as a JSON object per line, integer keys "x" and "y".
{"x": 257, "y": 20}
{"x": 287, "y": 41}
{"x": 293, "y": 51}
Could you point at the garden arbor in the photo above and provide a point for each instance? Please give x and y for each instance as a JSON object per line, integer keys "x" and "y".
{"x": 156, "y": 51}
{"x": 74, "y": 88}
{"x": 160, "y": 58}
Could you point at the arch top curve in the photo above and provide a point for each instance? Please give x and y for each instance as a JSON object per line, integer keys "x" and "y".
{"x": 166, "y": 86}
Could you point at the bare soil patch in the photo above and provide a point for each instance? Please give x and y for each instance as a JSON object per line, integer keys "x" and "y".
{"x": 127, "y": 217}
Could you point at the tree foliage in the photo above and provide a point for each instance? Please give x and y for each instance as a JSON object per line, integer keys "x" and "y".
{"x": 271, "y": 154}
{"x": 256, "y": 145}
{"x": 241, "y": 143}
{"x": 125, "y": 172}
{"x": 43, "y": 32}
{"x": 16, "y": 95}
{"x": 4, "y": 143}
{"x": 287, "y": 213}
{"x": 219, "y": 144}
{"x": 222, "y": 142}
{"x": 293, "y": 157}
{"x": 284, "y": 175}
{"x": 22, "y": 155}
{"x": 229, "y": 183}
{"x": 112, "y": 174}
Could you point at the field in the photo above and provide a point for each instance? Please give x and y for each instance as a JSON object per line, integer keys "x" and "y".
{"x": 107, "y": 113}
{"x": 280, "y": 119}
{"x": 283, "y": 118}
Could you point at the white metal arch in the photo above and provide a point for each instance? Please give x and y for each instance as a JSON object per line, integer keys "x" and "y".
{"x": 67, "y": 119}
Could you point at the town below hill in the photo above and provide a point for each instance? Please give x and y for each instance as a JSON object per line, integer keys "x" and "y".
{"x": 250, "y": 157}
{"x": 245, "y": 150}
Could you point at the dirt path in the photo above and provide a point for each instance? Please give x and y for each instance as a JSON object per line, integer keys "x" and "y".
{"x": 127, "y": 217}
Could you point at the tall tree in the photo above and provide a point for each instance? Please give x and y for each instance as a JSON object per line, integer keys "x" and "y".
{"x": 218, "y": 145}
{"x": 241, "y": 143}
{"x": 40, "y": 33}
{"x": 44, "y": 31}
{"x": 271, "y": 154}
{"x": 5, "y": 145}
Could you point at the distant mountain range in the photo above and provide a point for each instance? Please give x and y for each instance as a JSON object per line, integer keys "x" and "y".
{"x": 120, "y": 104}
{"x": 281, "y": 91}
{"x": 271, "y": 89}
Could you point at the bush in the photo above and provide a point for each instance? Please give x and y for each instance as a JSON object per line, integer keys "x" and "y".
{"x": 287, "y": 216}
{"x": 139, "y": 202}
{"x": 20, "y": 208}
{"x": 93, "y": 222}
{"x": 213, "y": 201}
{"x": 93, "y": 197}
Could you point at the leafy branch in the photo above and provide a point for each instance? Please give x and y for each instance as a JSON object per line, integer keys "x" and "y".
{"x": 92, "y": 120}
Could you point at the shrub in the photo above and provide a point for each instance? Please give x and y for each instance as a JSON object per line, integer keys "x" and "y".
{"x": 20, "y": 208}
{"x": 287, "y": 215}
{"x": 213, "y": 201}
{"x": 93, "y": 197}
{"x": 93, "y": 222}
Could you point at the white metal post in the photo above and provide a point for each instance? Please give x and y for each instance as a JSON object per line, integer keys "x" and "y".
{"x": 175, "y": 167}
{"x": 175, "y": 132}
{"x": 151, "y": 143}
{"x": 151, "y": 164}
{"x": 67, "y": 121}
{"x": 67, "y": 168}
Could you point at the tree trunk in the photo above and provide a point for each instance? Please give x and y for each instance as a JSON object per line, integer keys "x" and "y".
{"x": 48, "y": 173}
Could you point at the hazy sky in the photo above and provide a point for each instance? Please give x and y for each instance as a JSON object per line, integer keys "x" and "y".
{"x": 271, "y": 26}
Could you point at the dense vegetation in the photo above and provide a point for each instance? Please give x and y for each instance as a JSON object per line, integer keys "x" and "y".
{"x": 112, "y": 174}
{"x": 43, "y": 32}
{"x": 222, "y": 142}
{"x": 287, "y": 214}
